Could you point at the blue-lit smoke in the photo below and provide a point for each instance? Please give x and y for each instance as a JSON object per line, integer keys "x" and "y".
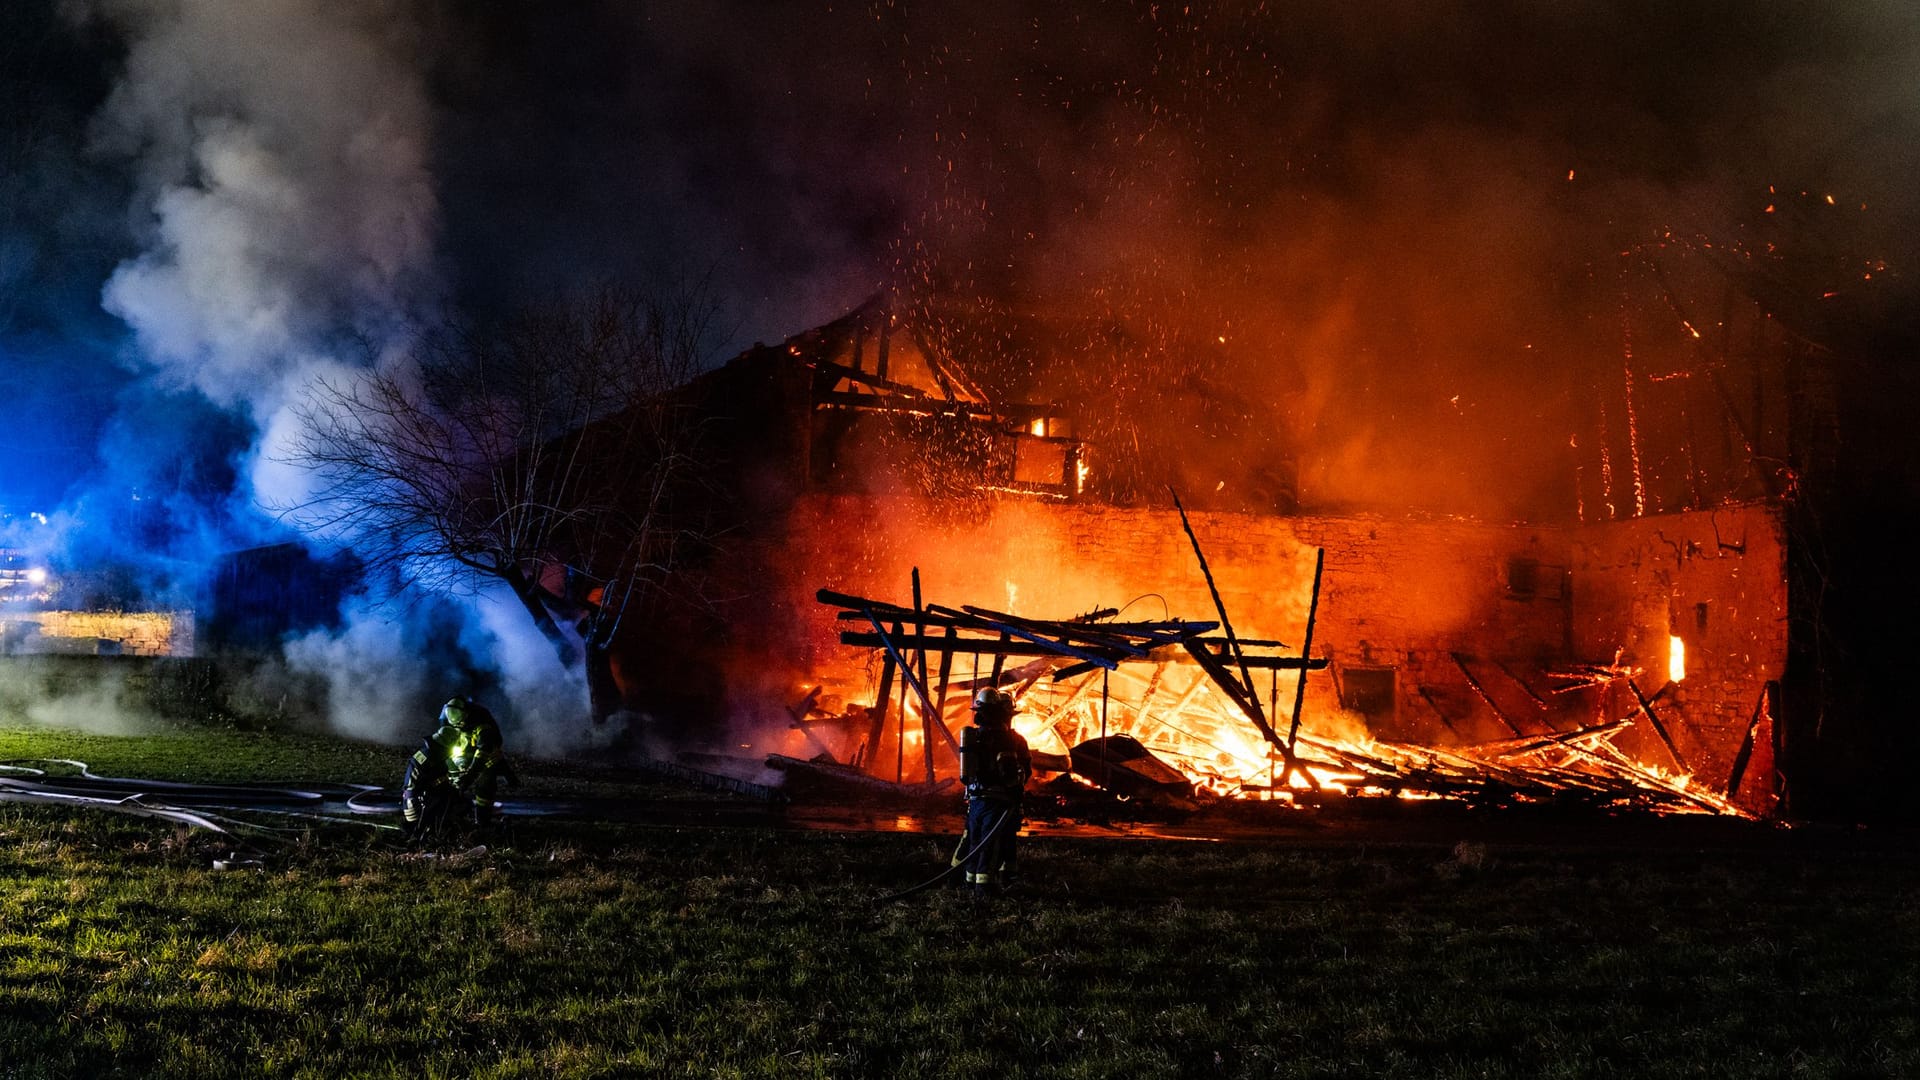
{"x": 285, "y": 220}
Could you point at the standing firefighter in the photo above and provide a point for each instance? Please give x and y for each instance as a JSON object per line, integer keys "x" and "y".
{"x": 455, "y": 768}
{"x": 994, "y": 766}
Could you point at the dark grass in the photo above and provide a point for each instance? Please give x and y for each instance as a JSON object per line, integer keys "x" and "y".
{"x": 604, "y": 950}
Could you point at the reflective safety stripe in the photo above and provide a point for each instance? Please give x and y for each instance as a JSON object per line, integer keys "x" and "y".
{"x": 420, "y": 757}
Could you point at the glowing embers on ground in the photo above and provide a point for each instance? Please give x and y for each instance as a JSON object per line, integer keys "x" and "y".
{"x": 1176, "y": 712}
{"x": 1095, "y": 693}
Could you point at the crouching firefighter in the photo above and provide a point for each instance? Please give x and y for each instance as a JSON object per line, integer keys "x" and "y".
{"x": 452, "y": 775}
{"x": 994, "y": 767}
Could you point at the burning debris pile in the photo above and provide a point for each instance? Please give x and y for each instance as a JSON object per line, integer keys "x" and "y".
{"x": 1175, "y": 712}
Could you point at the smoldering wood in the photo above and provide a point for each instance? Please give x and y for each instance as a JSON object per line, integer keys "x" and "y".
{"x": 1000, "y": 659}
{"x": 799, "y": 714}
{"x": 1522, "y": 684}
{"x": 890, "y": 642}
{"x": 1573, "y": 767}
{"x": 878, "y": 720}
{"x": 1473, "y": 680}
{"x": 1306, "y": 648}
{"x": 1249, "y": 697}
{"x": 1762, "y": 709}
{"x": 1527, "y": 744}
{"x": 1426, "y": 695}
{"x": 1061, "y": 647}
{"x": 928, "y": 717}
{"x": 1659, "y": 728}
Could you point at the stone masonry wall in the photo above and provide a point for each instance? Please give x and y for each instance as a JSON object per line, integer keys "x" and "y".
{"x": 1717, "y": 580}
{"x": 123, "y": 633}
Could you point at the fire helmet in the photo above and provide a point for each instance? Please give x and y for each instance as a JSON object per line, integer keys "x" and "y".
{"x": 993, "y": 706}
{"x": 455, "y": 712}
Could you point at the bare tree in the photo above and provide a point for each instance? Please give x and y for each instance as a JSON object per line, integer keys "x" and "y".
{"x": 548, "y": 451}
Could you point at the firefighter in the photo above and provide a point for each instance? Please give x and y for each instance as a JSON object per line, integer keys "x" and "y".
{"x": 994, "y": 767}
{"x": 456, "y": 768}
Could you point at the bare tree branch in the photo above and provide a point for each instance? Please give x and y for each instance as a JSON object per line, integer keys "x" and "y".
{"x": 548, "y": 452}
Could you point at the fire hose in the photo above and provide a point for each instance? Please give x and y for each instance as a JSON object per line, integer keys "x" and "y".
{"x": 20, "y": 782}
{"x": 998, "y": 824}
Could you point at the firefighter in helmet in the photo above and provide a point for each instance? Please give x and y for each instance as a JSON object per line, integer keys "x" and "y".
{"x": 994, "y": 767}
{"x": 456, "y": 767}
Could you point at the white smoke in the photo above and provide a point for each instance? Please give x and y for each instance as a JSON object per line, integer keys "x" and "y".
{"x": 550, "y": 701}
{"x": 391, "y": 664}
{"x": 377, "y": 686}
{"x": 282, "y": 156}
{"x": 281, "y": 149}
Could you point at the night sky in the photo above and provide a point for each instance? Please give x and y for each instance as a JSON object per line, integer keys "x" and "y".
{"x": 1399, "y": 225}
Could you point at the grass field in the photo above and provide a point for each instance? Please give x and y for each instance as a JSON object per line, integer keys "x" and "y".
{"x": 575, "y": 950}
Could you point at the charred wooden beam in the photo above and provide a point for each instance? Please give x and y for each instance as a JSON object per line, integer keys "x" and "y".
{"x": 1460, "y": 662}
{"x": 1248, "y": 697}
{"x": 890, "y": 642}
{"x": 1236, "y": 692}
{"x": 1426, "y": 695}
{"x": 984, "y": 646}
{"x": 1061, "y": 647}
{"x": 1306, "y": 647}
{"x": 928, "y": 715}
{"x": 878, "y": 722}
{"x": 1659, "y": 728}
{"x": 1178, "y": 627}
{"x": 1761, "y": 710}
{"x": 1068, "y": 631}
{"x": 1522, "y": 684}
{"x": 1527, "y": 744}
{"x": 860, "y": 605}
{"x": 946, "y": 674}
{"x": 799, "y": 714}
{"x": 901, "y": 400}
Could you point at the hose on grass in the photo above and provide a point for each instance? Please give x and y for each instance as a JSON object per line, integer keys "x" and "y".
{"x": 20, "y": 782}
{"x": 998, "y": 824}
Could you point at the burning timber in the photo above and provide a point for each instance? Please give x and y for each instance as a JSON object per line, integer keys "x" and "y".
{"x": 1183, "y": 712}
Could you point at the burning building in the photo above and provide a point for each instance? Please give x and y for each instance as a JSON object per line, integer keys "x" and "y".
{"x": 1644, "y": 643}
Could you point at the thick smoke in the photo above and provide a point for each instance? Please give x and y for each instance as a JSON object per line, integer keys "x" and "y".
{"x": 289, "y": 220}
{"x": 1419, "y": 229}
{"x": 281, "y": 149}
{"x": 392, "y": 664}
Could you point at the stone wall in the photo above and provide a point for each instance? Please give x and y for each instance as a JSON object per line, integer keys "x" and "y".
{"x": 117, "y": 633}
{"x": 1716, "y": 579}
